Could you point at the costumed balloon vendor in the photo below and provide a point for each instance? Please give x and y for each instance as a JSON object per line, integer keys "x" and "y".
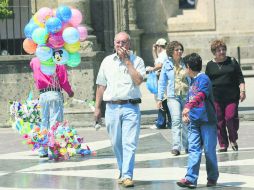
{"x": 54, "y": 37}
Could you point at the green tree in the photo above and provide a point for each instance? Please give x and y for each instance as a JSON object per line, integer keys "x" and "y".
{"x": 5, "y": 12}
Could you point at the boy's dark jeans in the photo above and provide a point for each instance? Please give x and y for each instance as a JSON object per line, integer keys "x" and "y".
{"x": 163, "y": 119}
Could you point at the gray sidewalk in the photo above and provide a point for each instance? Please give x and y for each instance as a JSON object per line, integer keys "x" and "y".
{"x": 155, "y": 169}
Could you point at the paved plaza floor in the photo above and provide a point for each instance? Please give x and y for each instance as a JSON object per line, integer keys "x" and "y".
{"x": 156, "y": 168}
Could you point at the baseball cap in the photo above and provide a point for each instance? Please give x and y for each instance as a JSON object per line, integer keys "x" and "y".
{"x": 161, "y": 42}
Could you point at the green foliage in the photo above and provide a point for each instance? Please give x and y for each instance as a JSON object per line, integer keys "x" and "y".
{"x": 4, "y": 9}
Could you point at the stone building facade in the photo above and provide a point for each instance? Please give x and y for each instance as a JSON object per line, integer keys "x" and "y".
{"x": 146, "y": 21}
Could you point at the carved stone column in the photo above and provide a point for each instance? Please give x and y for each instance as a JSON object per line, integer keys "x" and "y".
{"x": 118, "y": 15}
{"x": 121, "y": 22}
{"x": 134, "y": 31}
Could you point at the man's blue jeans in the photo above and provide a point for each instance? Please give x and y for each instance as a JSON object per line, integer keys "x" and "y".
{"x": 123, "y": 126}
{"x": 179, "y": 130}
{"x": 202, "y": 134}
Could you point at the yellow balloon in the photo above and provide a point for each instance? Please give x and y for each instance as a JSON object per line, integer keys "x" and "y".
{"x": 36, "y": 21}
{"x": 72, "y": 48}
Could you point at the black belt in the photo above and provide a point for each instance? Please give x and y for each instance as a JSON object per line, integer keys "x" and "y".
{"x": 50, "y": 89}
{"x": 132, "y": 101}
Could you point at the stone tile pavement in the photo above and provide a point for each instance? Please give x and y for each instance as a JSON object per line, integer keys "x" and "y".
{"x": 156, "y": 168}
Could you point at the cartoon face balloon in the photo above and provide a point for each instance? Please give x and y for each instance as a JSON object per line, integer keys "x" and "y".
{"x": 60, "y": 56}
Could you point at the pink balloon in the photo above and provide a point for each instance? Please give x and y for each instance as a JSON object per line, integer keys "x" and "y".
{"x": 55, "y": 40}
{"x": 83, "y": 33}
{"x": 65, "y": 25}
{"x": 44, "y": 14}
{"x": 76, "y": 17}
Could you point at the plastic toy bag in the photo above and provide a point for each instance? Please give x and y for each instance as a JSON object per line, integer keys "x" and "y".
{"x": 152, "y": 83}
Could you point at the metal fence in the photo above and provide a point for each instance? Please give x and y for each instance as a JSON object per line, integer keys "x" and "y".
{"x": 11, "y": 28}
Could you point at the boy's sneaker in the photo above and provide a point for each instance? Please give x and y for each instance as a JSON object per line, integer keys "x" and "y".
{"x": 127, "y": 182}
{"x": 211, "y": 183}
{"x": 186, "y": 183}
{"x": 43, "y": 155}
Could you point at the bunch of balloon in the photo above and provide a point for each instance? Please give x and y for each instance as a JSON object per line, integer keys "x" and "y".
{"x": 54, "y": 36}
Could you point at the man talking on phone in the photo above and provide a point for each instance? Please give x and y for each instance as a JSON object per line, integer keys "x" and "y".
{"x": 118, "y": 81}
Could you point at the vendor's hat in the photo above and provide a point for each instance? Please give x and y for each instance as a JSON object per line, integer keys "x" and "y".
{"x": 161, "y": 42}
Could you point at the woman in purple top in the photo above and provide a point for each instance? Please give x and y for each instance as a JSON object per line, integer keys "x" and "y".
{"x": 228, "y": 88}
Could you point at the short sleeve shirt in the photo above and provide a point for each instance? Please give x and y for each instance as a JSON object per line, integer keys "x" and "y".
{"x": 114, "y": 74}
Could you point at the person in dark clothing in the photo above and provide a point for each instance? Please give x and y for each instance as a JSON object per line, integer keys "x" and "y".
{"x": 228, "y": 88}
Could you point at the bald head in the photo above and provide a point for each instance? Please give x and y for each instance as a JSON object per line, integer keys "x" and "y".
{"x": 122, "y": 34}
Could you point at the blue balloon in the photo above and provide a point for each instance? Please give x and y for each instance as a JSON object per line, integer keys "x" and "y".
{"x": 60, "y": 56}
{"x": 29, "y": 28}
{"x": 48, "y": 70}
{"x": 53, "y": 24}
{"x": 43, "y": 52}
{"x": 70, "y": 35}
{"x": 63, "y": 13}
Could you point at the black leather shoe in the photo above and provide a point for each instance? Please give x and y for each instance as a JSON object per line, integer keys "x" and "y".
{"x": 44, "y": 156}
{"x": 223, "y": 150}
{"x": 211, "y": 183}
{"x": 235, "y": 148}
{"x": 175, "y": 152}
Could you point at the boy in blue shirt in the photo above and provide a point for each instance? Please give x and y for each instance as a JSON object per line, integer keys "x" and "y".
{"x": 199, "y": 112}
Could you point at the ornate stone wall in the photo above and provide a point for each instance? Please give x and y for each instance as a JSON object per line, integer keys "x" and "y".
{"x": 196, "y": 28}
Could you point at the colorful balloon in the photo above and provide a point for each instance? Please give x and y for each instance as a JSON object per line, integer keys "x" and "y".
{"x": 29, "y": 28}
{"x": 36, "y": 21}
{"x": 63, "y": 13}
{"x": 48, "y": 70}
{"x": 72, "y": 48}
{"x": 44, "y": 14}
{"x": 44, "y": 52}
{"x": 40, "y": 36}
{"x": 74, "y": 59}
{"x": 60, "y": 56}
{"x": 65, "y": 25}
{"x": 55, "y": 40}
{"x": 76, "y": 17}
{"x": 70, "y": 35}
{"x": 53, "y": 24}
{"x": 29, "y": 46}
{"x": 48, "y": 62}
{"x": 83, "y": 33}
